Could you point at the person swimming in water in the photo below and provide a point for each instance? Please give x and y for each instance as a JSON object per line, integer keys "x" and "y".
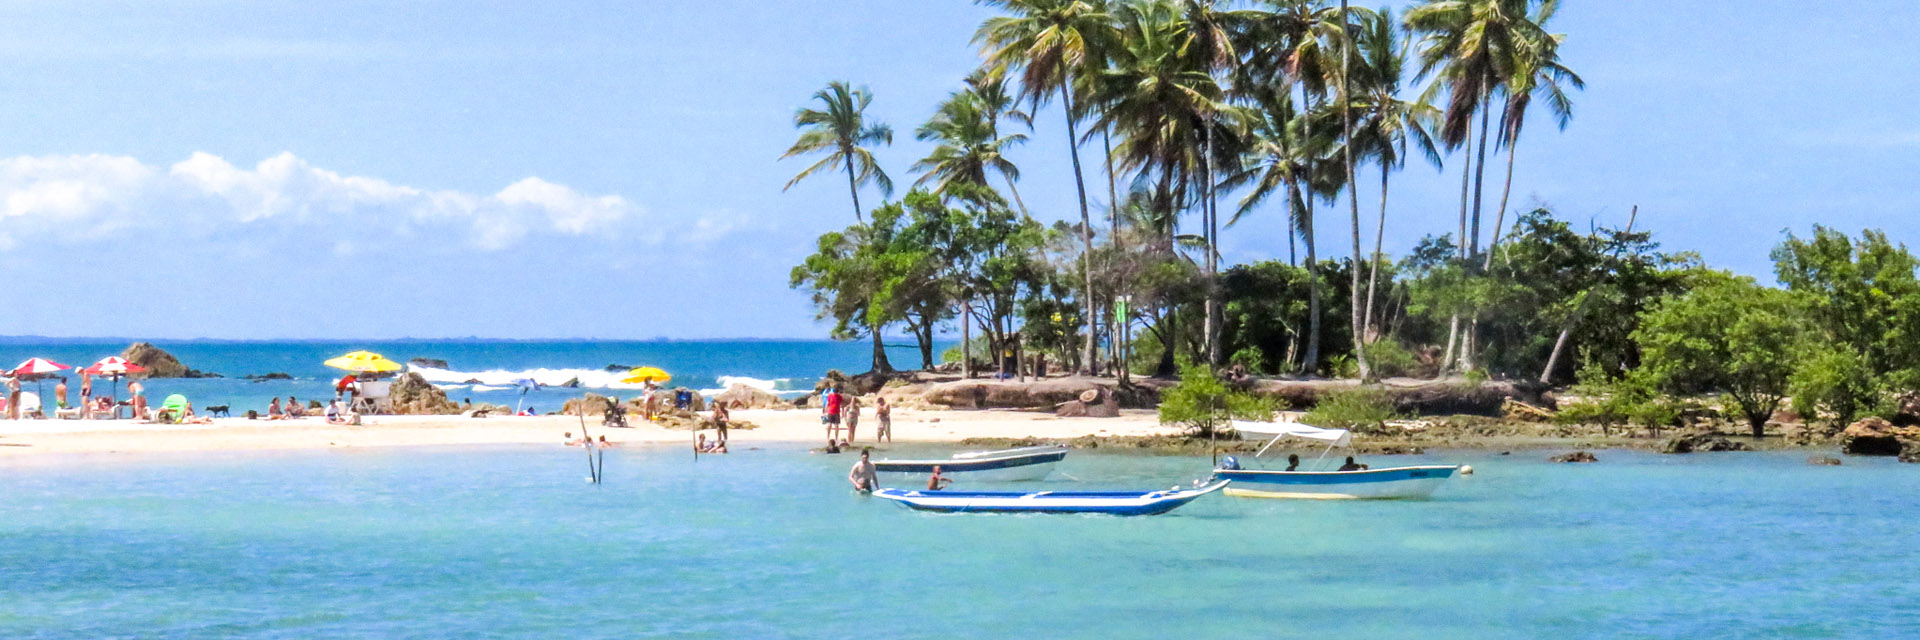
{"x": 936, "y": 482}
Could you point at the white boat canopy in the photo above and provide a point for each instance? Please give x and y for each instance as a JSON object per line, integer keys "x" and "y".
{"x": 1335, "y": 437}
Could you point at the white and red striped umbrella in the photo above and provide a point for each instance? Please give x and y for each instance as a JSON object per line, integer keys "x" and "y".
{"x": 37, "y": 366}
{"x": 113, "y": 365}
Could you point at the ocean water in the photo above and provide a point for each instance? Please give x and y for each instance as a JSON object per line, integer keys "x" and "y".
{"x": 774, "y": 365}
{"x": 769, "y": 543}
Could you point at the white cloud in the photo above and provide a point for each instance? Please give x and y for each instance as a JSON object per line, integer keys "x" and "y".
{"x": 82, "y": 197}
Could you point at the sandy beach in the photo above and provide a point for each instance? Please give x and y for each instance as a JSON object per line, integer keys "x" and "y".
{"x": 41, "y": 437}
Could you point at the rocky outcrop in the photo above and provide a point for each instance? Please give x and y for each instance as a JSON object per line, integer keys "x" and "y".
{"x": 159, "y": 363}
{"x": 413, "y": 395}
{"x": 270, "y": 376}
{"x": 1044, "y": 394}
{"x": 1423, "y": 397}
{"x": 1701, "y": 442}
{"x": 1874, "y": 437}
{"x": 1824, "y": 461}
{"x": 1577, "y": 456}
{"x": 592, "y": 404}
{"x": 740, "y": 396}
{"x": 434, "y": 363}
{"x": 1097, "y": 402}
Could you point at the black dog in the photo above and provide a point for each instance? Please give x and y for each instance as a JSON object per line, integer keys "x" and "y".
{"x": 220, "y": 411}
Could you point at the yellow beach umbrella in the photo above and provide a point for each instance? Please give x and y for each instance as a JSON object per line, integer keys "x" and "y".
{"x": 646, "y": 374}
{"x": 364, "y": 361}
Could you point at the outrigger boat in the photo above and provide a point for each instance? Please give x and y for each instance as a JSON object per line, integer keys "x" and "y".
{"x": 1118, "y": 503}
{"x": 1412, "y": 482}
{"x": 1008, "y": 465}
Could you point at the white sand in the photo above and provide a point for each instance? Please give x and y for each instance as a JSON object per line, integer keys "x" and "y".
{"x": 33, "y": 437}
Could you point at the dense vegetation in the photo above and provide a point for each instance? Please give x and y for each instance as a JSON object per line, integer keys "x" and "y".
{"x": 1193, "y": 110}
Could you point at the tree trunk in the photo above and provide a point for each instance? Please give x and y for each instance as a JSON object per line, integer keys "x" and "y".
{"x": 1453, "y": 339}
{"x": 1310, "y": 361}
{"x": 1500, "y": 217}
{"x": 925, "y": 336}
{"x": 1379, "y": 236}
{"x": 853, "y": 187}
{"x": 1086, "y": 221}
{"x": 1480, "y": 173}
{"x": 1167, "y": 343}
{"x": 966, "y": 339}
{"x": 1211, "y": 327}
{"x": 880, "y": 364}
{"x": 1356, "y": 308}
{"x": 1016, "y": 197}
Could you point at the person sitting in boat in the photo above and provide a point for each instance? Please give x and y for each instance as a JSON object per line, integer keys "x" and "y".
{"x": 1293, "y": 461}
{"x": 1352, "y": 466}
{"x": 935, "y": 482}
{"x": 863, "y": 476}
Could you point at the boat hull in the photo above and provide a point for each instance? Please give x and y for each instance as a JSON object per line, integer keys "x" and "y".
{"x": 1117, "y": 503}
{"x": 1012, "y": 468}
{"x": 1396, "y": 483}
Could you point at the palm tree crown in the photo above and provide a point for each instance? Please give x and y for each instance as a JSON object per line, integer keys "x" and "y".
{"x": 842, "y": 131}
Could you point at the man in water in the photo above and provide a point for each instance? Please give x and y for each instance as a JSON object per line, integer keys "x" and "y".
{"x": 863, "y": 476}
{"x": 935, "y": 482}
{"x": 1352, "y": 466}
{"x": 1293, "y": 461}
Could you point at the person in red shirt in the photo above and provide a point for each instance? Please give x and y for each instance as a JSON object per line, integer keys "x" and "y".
{"x": 347, "y": 384}
{"x": 831, "y": 405}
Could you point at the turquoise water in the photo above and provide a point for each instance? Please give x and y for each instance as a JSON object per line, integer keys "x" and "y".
{"x": 773, "y": 364}
{"x": 510, "y": 542}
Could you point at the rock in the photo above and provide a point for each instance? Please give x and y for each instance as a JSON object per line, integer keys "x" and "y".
{"x": 740, "y": 396}
{"x": 1577, "y": 456}
{"x": 833, "y": 378}
{"x": 433, "y": 363}
{"x": 270, "y": 376}
{"x": 573, "y": 383}
{"x": 1097, "y": 402}
{"x": 159, "y": 363}
{"x": 1700, "y": 442}
{"x": 413, "y": 395}
{"x": 1870, "y": 437}
{"x": 1046, "y": 394}
{"x": 593, "y": 404}
{"x": 1824, "y": 461}
{"x": 471, "y": 381}
{"x": 617, "y": 368}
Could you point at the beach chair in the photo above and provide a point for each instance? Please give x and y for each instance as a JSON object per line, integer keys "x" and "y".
{"x": 68, "y": 413}
{"x": 373, "y": 397}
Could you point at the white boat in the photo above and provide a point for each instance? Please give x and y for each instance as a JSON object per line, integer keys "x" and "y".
{"x": 1118, "y": 503}
{"x": 1007, "y": 465}
{"x": 1392, "y": 483}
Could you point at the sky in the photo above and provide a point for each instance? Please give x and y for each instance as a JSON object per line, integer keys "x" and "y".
{"x": 262, "y": 170}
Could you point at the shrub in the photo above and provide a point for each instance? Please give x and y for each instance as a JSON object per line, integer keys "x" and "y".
{"x": 1835, "y": 381}
{"x": 1360, "y": 409}
{"x": 1201, "y": 403}
{"x": 1390, "y": 359}
{"x": 1250, "y": 357}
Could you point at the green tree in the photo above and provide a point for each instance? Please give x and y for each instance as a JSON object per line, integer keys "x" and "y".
{"x": 1727, "y": 333}
{"x": 968, "y": 147}
{"x": 1051, "y": 41}
{"x": 868, "y": 276}
{"x": 1203, "y": 405}
{"x": 842, "y": 130}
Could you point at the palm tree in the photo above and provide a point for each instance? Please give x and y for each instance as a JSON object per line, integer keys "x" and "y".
{"x": 1537, "y": 70}
{"x": 1387, "y": 125}
{"x": 1050, "y": 42}
{"x": 1354, "y": 303}
{"x": 969, "y": 147}
{"x": 842, "y": 130}
{"x": 989, "y": 92}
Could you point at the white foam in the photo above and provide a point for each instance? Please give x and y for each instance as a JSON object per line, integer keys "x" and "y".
{"x": 592, "y": 378}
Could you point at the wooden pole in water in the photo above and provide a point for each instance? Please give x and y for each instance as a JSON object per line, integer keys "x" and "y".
{"x": 593, "y": 473}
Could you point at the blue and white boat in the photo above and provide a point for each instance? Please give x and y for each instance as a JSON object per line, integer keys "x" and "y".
{"x": 1392, "y": 483}
{"x": 1008, "y": 465}
{"x": 1117, "y": 503}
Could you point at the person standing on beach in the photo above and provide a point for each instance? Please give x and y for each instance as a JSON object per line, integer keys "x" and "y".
{"x": 13, "y": 398}
{"x": 863, "y": 476}
{"x": 345, "y": 388}
{"x": 86, "y": 390}
{"x": 60, "y": 393}
{"x": 138, "y": 396}
{"x": 853, "y": 418}
{"x": 884, "y": 413}
{"x": 830, "y": 408}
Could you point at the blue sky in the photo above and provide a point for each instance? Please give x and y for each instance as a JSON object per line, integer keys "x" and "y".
{"x": 540, "y": 170}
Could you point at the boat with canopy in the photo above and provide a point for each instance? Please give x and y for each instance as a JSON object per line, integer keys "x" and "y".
{"x": 1410, "y": 482}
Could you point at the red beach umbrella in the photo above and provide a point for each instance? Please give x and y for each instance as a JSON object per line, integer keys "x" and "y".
{"x": 113, "y": 366}
{"x": 38, "y": 366}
